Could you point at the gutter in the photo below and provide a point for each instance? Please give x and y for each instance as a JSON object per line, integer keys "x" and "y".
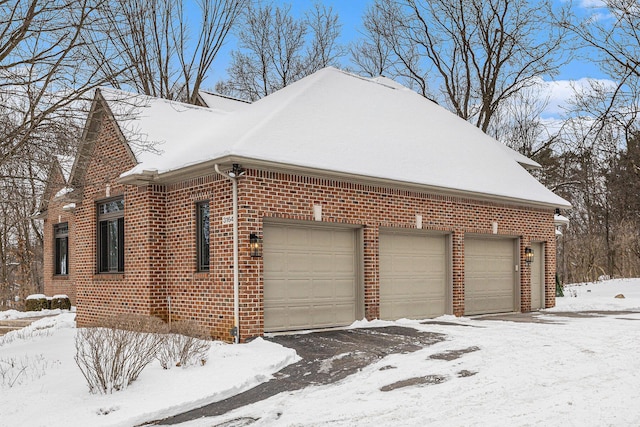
{"x": 204, "y": 168}
{"x": 236, "y": 280}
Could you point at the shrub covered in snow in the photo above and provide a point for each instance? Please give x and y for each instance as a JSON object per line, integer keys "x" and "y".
{"x": 186, "y": 345}
{"x": 36, "y": 302}
{"x": 114, "y": 354}
{"x": 60, "y": 301}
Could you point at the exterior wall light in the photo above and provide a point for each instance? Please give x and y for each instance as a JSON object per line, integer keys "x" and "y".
{"x": 255, "y": 245}
{"x": 528, "y": 255}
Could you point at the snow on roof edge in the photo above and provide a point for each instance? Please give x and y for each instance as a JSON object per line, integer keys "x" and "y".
{"x": 520, "y": 158}
{"x": 262, "y": 162}
{"x": 243, "y": 143}
{"x": 219, "y": 95}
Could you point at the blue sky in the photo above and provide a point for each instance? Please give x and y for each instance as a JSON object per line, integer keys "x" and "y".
{"x": 350, "y": 13}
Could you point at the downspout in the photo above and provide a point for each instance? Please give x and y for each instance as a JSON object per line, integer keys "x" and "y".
{"x": 236, "y": 274}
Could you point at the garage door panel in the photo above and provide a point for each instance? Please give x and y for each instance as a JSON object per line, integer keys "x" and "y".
{"x": 276, "y": 293}
{"x": 489, "y": 275}
{"x": 413, "y": 275}
{"x": 309, "y": 281}
{"x": 274, "y": 262}
{"x": 296, "y": 316}
{"x": 333, "y": 289}
{"x": 420, "y": 266}
{"x": 278, "y": 312}
{"x": 344, "y": 289}
{"x": 322, "y": 263}
{"x": 342, "y": 241}
{"x": 331, "y": 314}
{"x": 496, "y": 303}
{"x": 296, "y": 237}
{"x": 297, "y": 263}
{"x": 411, "y": 264}
{"x": 297, "y": 289}
{"x": 410, "y": 288}
{"x": 434, "y": 268}
{"x": 401, "y": 264}
{"x": 344, "y": 263}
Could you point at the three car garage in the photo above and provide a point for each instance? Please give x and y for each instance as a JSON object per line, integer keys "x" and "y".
{"x": 313, "y": 275}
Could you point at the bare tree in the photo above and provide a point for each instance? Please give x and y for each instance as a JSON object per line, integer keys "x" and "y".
{"x": 613, "y": 39}
{"x": 153, "y": 42}
{"x": 603, "y": 237}
{"x": 43, "y": 88}
{"x": 40, "y": 76}
{"x": 479, "y": 53}
{"x": 518, "y": 124}
{"x": 276, "y": 49}
{"x": 372, "y": 55}
{"x": 325, "y": 30}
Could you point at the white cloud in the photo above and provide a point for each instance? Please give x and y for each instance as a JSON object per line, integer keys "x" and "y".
{"x": 592, "y": 3}
{"x": 560, "y": 93}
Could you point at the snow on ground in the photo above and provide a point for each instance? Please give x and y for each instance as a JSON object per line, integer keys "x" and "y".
{"x": 53, "y": 392}
{"x": 574, "y": 371}
{"x": 600, "y": 296}
{"x": 15, "y": 314}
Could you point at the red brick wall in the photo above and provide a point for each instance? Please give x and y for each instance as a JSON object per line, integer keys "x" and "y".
{"x": 58, "y": 284}
{"x": 206, "y": 297}
{"x": 277, "y": 195}
{"x": 101, "y": 295}
{"x": 160, "y": 242}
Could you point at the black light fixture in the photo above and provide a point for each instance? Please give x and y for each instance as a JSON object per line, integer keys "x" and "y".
{"x": 528, "y": 255}
{"x": 255, "y": 245}
{"x": 236, "y": 171}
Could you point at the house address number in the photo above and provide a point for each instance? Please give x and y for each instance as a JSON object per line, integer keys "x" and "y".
{"x": 227, "y": 219}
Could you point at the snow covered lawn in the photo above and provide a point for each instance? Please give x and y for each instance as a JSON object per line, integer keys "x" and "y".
{"x": 582, "y": 371}
{"x": 52, "y": 391}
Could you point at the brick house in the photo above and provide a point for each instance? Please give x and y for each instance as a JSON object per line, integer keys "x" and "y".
{"x": 57, "y": 211}
{"x": 331, "y": 200}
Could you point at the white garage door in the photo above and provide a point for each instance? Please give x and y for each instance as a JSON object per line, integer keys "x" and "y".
{"x": 310, "y": 277}
{"x": 537, "y": 277}
{"x": 489, "y": 275}
{"x": 413, "y": 276}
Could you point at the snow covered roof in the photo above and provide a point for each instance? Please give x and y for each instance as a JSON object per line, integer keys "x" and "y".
{"x": 216, "y": 101}
{"x": 561, "y": 220}
{"x": 337, "y": 122}
{"x": 66, "y": 165}
{"x": 157, "y": 128}
{"x": 63, "y": 192}
{"x": 526, "y": 162}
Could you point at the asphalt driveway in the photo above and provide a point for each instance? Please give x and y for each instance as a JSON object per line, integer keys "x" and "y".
{"x": 330, "y": 356}
{"x": 327, "y": 357}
